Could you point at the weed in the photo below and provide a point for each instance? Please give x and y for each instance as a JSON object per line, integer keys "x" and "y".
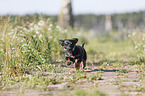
{"x": 80, "y": 75}
{"x": 88, "y": 92}
{"x": 138, "y": 40}
{"x": 124, "y": 95}
{"x": 118, "y": 81}
{"x": 95, "y": 76}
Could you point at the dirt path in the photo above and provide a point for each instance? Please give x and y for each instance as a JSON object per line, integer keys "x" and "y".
{"x": 117, "y": 82}
{"x": 113, "y": 82}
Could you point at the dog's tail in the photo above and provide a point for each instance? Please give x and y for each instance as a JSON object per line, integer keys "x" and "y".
{"x": 83, "y": 45}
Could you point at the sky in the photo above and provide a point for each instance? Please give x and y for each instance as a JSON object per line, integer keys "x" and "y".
{"x": 52, "y": 7}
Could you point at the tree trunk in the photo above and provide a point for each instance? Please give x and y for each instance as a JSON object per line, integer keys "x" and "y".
{"x": 108, "y": 24}
{"x": 120, "y": 29}
{"x": 65, "y": 19}
{"x": 144, "y": 18}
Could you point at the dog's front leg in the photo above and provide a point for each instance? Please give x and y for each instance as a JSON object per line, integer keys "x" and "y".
{"x": 77, "y": 64}
{"x": 68, "y": 62}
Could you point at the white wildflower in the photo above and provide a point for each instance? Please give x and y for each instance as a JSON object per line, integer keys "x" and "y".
{"x": 21, "y": 34}
{"x": 21, "y": 27}
{"x": 65, "y": 31}
{"x": 28, "y": 30}
{"x": 40, "y": 36}
{"x": 31, "y": 29}
{"x": 34, "y": 36}
{"x": 2, "y": 39}
{"x": 51, "y": 25}
{"x": 57, "y": 26}
{"x": 12, "y": 30}
{"x": 10, "y": 33}
{"x": 135, "y": 47}
{"x": 17, "y": 39}
{"x": 18, "y": 26}
{"x": 2, "y": 50}
{"x": 36, "y": 27}
{"x": 50, "y": 37}
{"x": 133, "y": 33}
{"x": 128, "y": 35}
{"x": 23, "y": 51}
{"x": 20, "y": 30}
{"x": 143, "y": 35}
{"x": 24, "y": 45}
{"x": 49, "y": 28}
{"x": 14, "y": 36}
{"x": 144, "y": 46}
{"x": 31, "y": 24}
{"x": 37, "y": 32}
{"x": 13, "y": 48}
{"x": 41, "y": 23}
{"x": 16, "y": 29}
{"x": 25, "y": 29}
{"x": 21, "y": 40}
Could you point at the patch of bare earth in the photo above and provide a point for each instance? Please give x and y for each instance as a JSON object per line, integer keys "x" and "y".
{"x": 113, "y": 82}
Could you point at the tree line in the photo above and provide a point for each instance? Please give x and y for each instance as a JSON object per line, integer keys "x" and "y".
{"x": 91, "y": 21}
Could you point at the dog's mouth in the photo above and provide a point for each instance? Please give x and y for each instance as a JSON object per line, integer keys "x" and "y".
{"x": 69, "y": 53}
{"x": 70, "y": 56}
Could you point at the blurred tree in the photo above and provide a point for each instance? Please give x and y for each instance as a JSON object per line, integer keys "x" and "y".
{"x": 65, "y": 18}
{"x": 120, "y": 28}
{"x": 144, "y": 18}
{"x": 108, "y": 24}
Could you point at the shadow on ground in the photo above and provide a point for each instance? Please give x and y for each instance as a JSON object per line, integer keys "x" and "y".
{"x": 106, "y": 70}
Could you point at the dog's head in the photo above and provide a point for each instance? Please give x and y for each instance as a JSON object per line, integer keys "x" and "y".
{"x": 69, "y": 45}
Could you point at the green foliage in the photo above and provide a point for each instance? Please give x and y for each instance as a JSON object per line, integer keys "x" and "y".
{"x": 83, "y": 92}
{"x": 88, "y": 92}
{"x": 28, "y": 47}
{"x": 138, "y": 39}
{"x": 29, "y": 81}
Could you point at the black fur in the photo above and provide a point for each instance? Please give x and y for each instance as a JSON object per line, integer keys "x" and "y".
{"x": 74, "y": 53}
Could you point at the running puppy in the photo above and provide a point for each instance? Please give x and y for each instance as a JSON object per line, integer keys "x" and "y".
{"x": 74, "y": 53}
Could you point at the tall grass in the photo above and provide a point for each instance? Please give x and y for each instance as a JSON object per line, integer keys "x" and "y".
{"x": 138, "y": 39}
{"x": 28, "y": 47}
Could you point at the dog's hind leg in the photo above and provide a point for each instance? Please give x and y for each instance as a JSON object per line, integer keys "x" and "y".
{"x": 84, "y": 64}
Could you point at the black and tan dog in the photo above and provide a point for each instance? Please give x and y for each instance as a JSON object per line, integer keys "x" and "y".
{"x": 74, "y": 53}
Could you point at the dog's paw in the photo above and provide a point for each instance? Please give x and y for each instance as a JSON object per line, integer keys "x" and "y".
{"x": 68, "y": 63}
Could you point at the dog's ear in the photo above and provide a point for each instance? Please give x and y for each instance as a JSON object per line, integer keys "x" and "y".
{"x": 61, "y": 42}
{"x": 74, "y": 40}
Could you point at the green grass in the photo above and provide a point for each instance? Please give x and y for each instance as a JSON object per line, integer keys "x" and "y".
{"x": 84, "y": 92}
{"x": 28, "y": 47}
